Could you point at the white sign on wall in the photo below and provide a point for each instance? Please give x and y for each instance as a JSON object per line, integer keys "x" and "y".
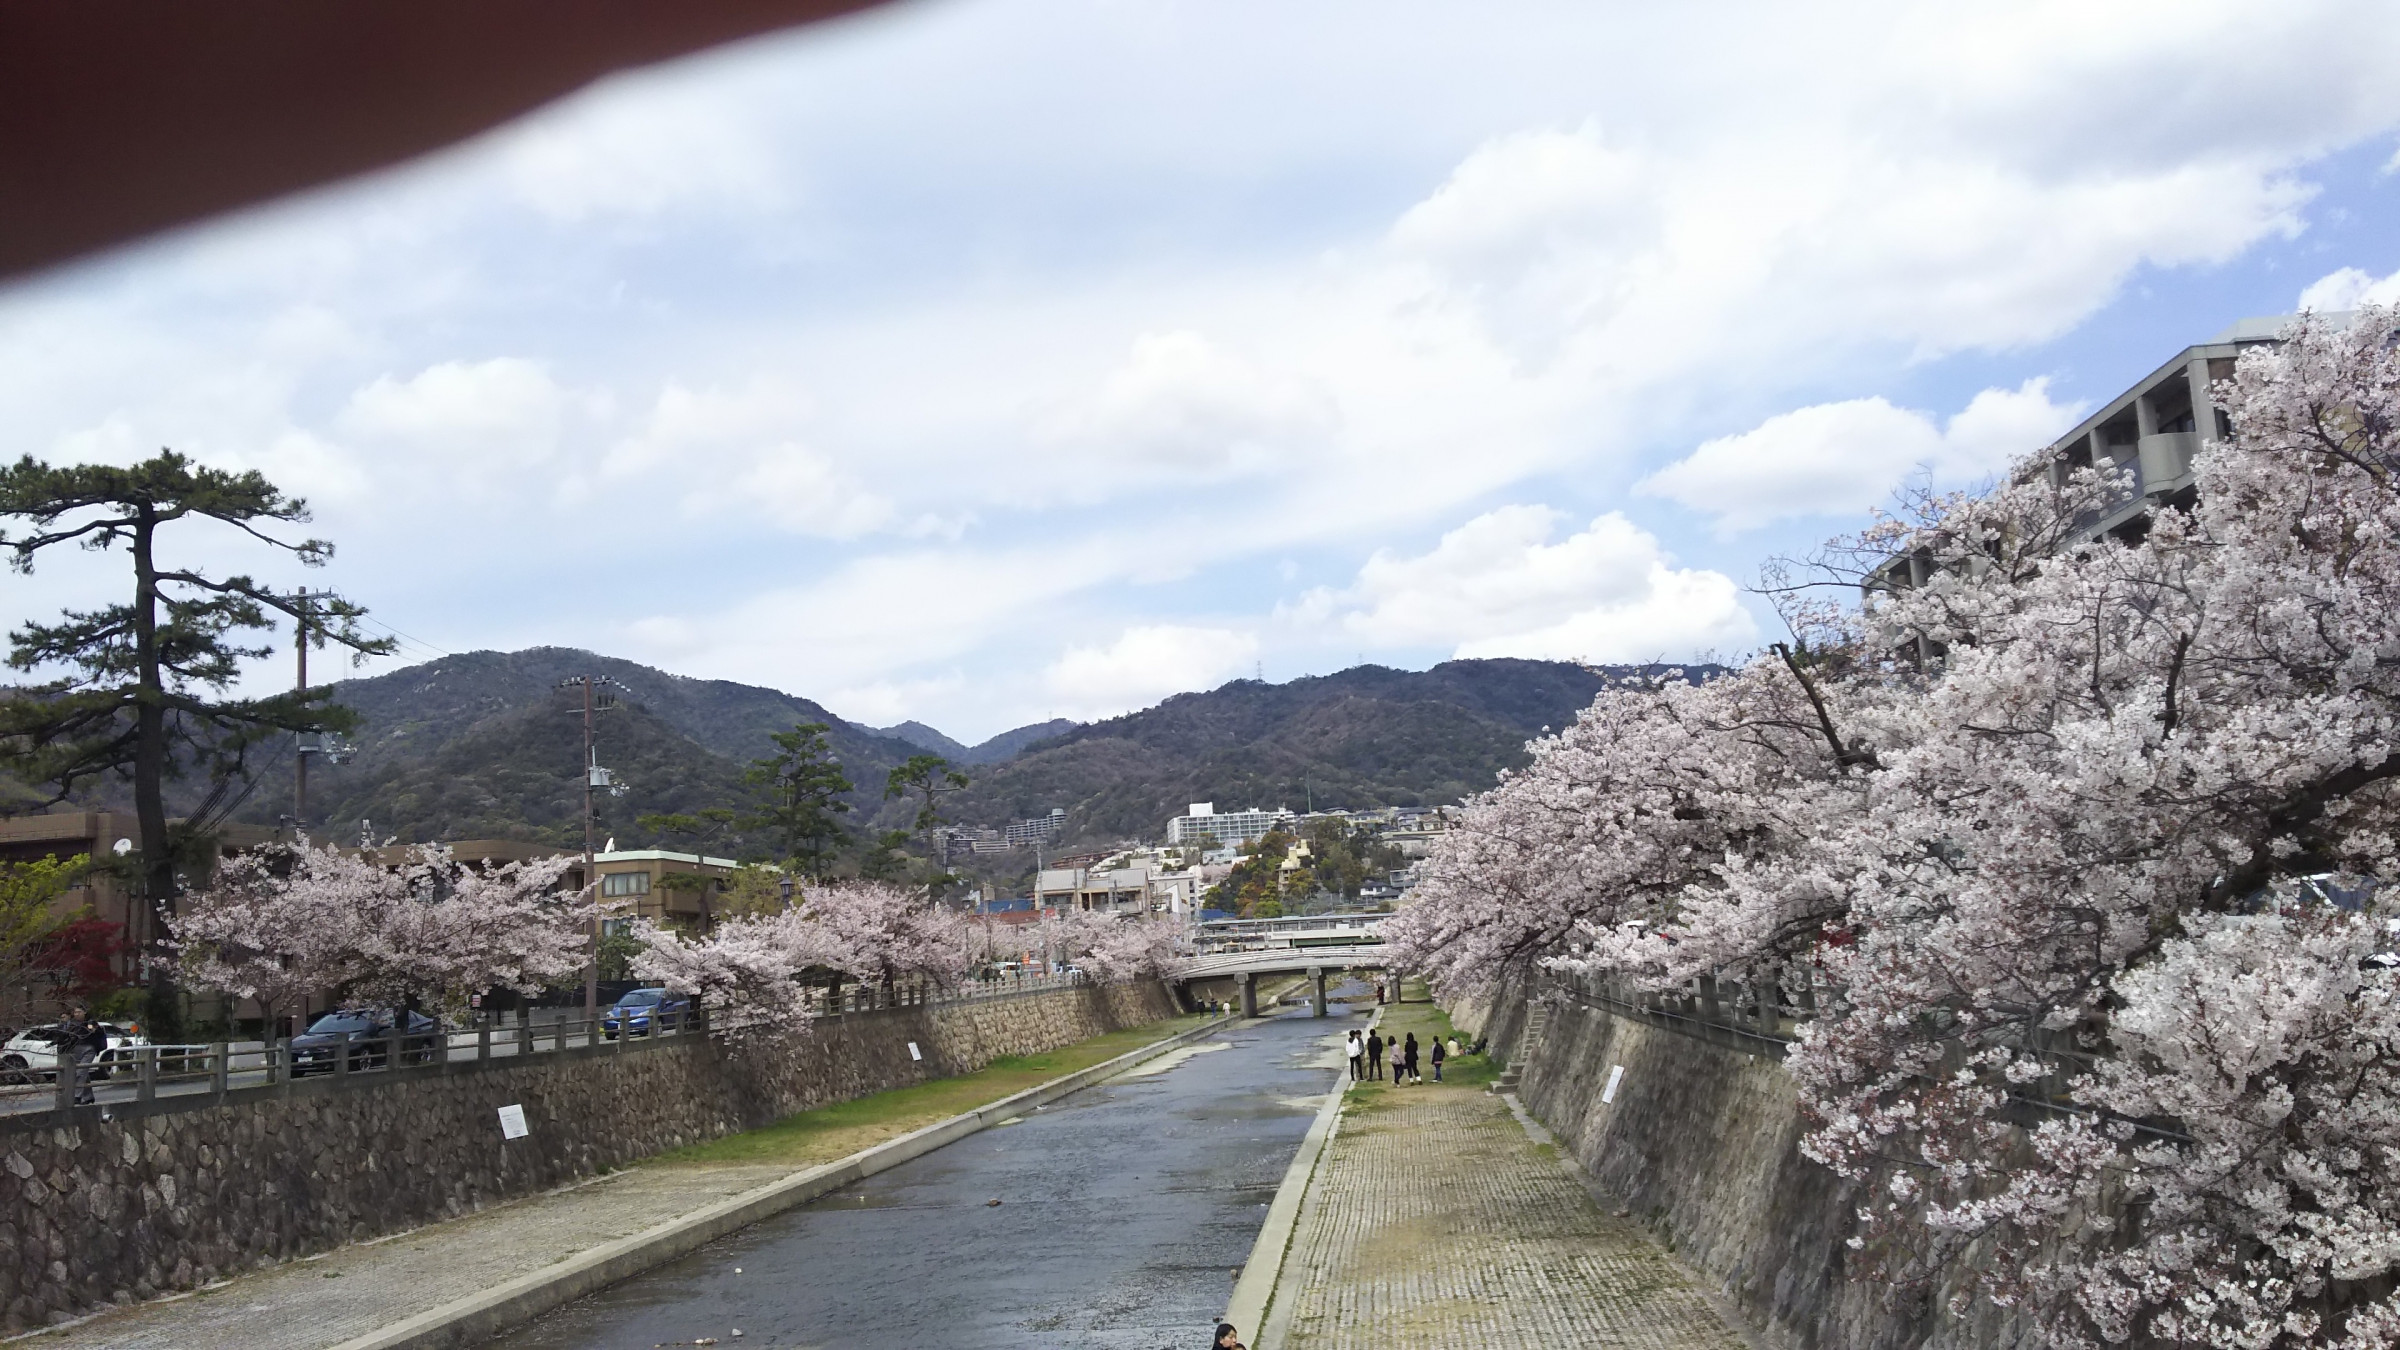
{"x": 914, "y": 1052}
{"x": 1616, "y": 1075}
{"x": 512, "y": 1122}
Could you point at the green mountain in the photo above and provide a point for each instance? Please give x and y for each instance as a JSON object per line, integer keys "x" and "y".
{"x": 1367, "y": 737}
{"x": 488, "y": 744}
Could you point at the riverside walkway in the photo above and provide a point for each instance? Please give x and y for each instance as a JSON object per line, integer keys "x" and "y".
{"x": 357, "y": 1290}
{"x": 1436, "y": 1222}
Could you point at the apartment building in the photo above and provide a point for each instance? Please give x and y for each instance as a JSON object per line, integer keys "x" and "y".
{"x": 2151, "y": 434}
{"x": 1203, "y": 820}
{"x": 677, "y": 888}
{"x": 1037, "y": 830}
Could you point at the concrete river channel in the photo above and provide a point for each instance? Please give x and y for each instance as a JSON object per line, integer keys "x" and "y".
{"x": 1125, "y": 1211}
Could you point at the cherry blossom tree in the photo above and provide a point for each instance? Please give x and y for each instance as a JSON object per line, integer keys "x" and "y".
{"x": 746, "y": 971}
{"x": 2089, "y": 847}
{"x": 1117, "y": 949}
{"x": 278, "y": 924}
{"x": 882, "y": 933}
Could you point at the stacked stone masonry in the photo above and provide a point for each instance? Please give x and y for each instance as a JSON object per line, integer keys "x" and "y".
{"x": 188, "y": 1191}
{"x": 1702, "y": 1143}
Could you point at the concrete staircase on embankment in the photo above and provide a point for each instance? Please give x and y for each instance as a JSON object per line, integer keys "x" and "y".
{"x": 1537, "y": 1020}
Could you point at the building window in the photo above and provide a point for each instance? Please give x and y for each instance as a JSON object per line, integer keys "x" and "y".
{"x": 625, "y": 883}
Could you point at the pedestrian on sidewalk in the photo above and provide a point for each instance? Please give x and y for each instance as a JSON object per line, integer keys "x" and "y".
{"x": 1437, "y": 1059}
{"x": 80, "y": 1044}
{"x": 1408, "y": 1054}
{"x": 1375, "y": 1058}
{"x": 1358, "y": 1051}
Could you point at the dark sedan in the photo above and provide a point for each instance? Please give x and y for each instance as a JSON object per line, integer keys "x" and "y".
{"x": 364, "y": 1037}
{"x": 642, "y": 1011}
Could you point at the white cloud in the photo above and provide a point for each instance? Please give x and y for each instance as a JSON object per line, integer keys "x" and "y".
{"x": 738, "y": 452}
{"x": 881, "y": 321}
{"x": 504, "y": 413}
{"x": 1145, "y": 664}
{"x": 1498, "y": 586}
{"x": 1182, "y": 405}
{"x": 2347, "y": 289}
{"x": 1842, "y": 458}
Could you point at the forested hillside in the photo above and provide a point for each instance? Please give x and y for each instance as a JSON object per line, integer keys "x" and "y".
{"x": 1369, "y": 736}
{"x": 487, "y": 744}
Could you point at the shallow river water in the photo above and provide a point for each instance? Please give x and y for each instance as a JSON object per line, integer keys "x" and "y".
{"x": 1124, "y": 1213}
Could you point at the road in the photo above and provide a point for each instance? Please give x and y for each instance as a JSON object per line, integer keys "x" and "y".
{"x": 1125, "y": 1211}
{"x": 246, "y": 1067}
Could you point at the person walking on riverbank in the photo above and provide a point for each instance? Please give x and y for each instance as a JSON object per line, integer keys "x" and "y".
{"x": 1408, "y": 1055}
{"x": 1358, "y": 1051}
{"x": 1226, "y": 1338}
{"x": 1374, "y": 1057}
{"x": 1438, "y": 1056}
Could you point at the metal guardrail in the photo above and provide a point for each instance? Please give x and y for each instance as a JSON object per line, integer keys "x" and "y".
{"x": 140, "y": 1075}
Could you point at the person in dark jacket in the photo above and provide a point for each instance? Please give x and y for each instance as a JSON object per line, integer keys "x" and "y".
{"x": 1375, "y": 1057}
{"x": 1438, "y": 1057}
{"x": 81, "y": 1041}
{"x": 1408, "y": 1055}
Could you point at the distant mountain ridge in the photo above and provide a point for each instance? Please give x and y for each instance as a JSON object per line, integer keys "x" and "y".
{"x": 487, "y": 744}
{"x": 1366, "y": 737}
{"x": 1000, "y": 747}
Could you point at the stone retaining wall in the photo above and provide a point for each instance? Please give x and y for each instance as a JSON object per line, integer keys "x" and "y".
{"x": 1702, "y": 1142}
{"x": 190, "y": 1191}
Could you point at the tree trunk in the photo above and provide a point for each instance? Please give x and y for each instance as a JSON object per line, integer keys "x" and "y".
{"x": 165, "y": 1013}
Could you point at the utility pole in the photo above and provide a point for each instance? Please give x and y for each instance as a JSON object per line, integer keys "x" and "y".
{"x": 300, "y": 755}
{"x": 596, "y": 698}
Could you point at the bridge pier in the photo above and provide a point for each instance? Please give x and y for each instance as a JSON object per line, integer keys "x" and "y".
{"x": 1316, "y": 980}
{"x": 1249, "y": 984}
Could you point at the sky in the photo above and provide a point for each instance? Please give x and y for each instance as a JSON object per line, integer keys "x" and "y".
{"x": 987, "y": 361}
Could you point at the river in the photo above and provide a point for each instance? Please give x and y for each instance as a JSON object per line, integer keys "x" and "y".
{"x": 1124, "y": 1213}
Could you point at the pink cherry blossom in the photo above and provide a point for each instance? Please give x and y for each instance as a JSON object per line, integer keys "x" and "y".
{"x": 278, "y": 924}
{"x": 2085, "y": 851}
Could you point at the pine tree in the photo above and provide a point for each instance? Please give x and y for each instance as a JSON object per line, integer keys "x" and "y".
{"x": 800, "y": 792}
{"x": 143, "y": 698}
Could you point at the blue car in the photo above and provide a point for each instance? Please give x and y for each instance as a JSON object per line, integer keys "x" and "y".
{"x": 637, "y": 1013}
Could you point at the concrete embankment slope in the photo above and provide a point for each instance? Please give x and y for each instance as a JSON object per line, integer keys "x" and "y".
{"x": 1701, "y": 1143}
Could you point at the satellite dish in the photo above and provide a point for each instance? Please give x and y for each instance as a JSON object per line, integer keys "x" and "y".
{"x": 123, "y": 847}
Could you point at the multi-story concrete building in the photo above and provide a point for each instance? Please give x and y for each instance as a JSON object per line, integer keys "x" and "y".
{"x": 1110, "y": 890}
{"x": 2154, "y": 430}
{"x": 1037, "y": 830}
{"x": 1203, "y": 820}
{"x": 2151, "y": 434}
{"x": 677, "y": 888}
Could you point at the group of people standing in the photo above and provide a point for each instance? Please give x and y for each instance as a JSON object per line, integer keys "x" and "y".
{"x": 1368, "y": 1052}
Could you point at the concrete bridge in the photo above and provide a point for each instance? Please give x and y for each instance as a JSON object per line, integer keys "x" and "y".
{"x": 1317, "y": 946}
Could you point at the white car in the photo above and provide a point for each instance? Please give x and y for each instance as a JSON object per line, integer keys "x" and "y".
{"x": 31, "y": 1056}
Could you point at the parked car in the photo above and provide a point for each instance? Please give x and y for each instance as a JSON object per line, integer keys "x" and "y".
{"x": 364, "y": 1037}
{"x": 638, "y": 1012}
{"x": 31, "y": 1056}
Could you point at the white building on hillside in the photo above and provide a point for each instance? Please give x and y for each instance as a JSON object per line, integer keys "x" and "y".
{"x": 1230, "y": 827}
